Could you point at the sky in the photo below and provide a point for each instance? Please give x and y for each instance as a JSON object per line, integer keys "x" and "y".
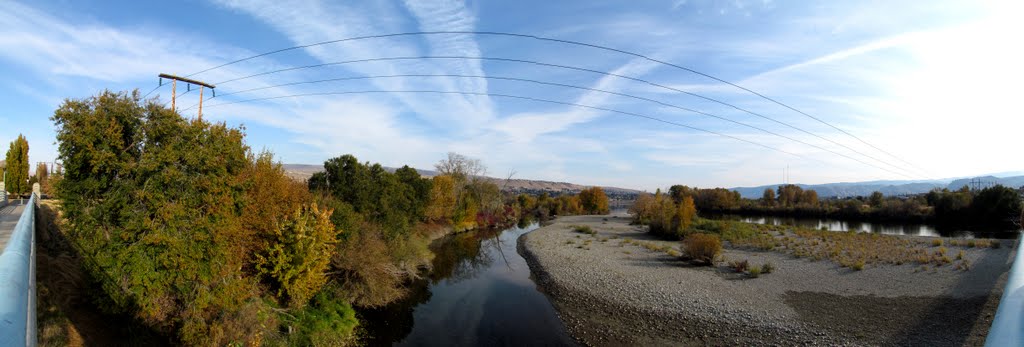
{"x": 862, "y": 90}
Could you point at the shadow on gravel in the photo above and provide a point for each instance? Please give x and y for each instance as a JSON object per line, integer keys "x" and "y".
{"x": 911, "y": 321}
{"x": 962, "y": 321}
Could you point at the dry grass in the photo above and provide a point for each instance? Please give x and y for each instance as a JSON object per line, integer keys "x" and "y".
{"x": 703, "y": 247}
{"x": 858, "y": 250}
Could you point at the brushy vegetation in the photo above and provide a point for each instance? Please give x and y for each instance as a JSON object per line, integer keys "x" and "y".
{"x": 183, "y": 227}
{"x": 754, "y": 272}
{"x": 739, "y": 265}
{"x": 703, "y": 248}
{"x": 768, "y": 268}
{"x": 586, "y": 229}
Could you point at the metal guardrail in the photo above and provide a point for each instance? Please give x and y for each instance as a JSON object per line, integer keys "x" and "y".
{"x": 18, "y": 282}
{"x": 1008, "y": 325}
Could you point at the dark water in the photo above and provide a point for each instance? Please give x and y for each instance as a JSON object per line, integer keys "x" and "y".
{"x": 479, "y": 294}
{"x": 882, "y": 228}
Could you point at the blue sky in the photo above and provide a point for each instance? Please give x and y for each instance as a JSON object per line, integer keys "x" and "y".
{"x": 932, "y": 82}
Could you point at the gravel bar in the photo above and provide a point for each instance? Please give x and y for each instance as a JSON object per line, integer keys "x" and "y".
{"x": 612, "y": 293}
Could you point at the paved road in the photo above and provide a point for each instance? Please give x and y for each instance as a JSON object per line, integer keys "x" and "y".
{"x": 9, "y": 216}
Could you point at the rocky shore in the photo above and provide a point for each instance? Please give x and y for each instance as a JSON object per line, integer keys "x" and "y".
{"x": 610, "y": 293}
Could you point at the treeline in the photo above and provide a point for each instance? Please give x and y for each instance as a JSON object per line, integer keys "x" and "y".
{"x": 186, "y": 229}
{"x": 993, "y": 206}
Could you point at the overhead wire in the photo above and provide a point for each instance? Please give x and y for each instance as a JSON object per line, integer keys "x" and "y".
{"x": 575, "y": 68}
{"x": 510, "y": 96}
{"x": 565, "y": 86}
{"x": 562, "y": 41}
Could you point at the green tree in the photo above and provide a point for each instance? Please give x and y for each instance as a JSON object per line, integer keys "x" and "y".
{"x": 678, "y": 192}
{"x": 876, "y": 199}
{"x": 995, "y": 205}
{"x": 153, "y": 203}
{"x": 16, "y": 178}
{"x": 768, "y": 198}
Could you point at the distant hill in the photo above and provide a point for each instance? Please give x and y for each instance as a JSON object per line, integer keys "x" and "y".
{"x": 304, "y": 172}
{"x": 887, "y": 187}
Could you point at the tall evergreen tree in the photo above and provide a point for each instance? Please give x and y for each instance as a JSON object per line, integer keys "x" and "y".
{"x": 16, "y": 179}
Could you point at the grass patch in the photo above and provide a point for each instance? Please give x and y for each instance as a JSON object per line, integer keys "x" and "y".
{"x": 767, "y": 268}
{"x": 754, "y": 272}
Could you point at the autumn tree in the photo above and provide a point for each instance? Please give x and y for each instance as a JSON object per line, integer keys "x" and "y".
{"x": 809, "y": 198}
{"x": 16, "y": 167}
{"x": 442, "y": 199}
{"x": 299, "y": 254}
{"x": 685, "y": 214}
{"x": 594, "y": 201}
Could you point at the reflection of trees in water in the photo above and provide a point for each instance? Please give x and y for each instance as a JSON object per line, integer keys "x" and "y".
{"x": 392, "y": 323}
{"x": 456, "y": 257}
{"x": 461, "y": 256}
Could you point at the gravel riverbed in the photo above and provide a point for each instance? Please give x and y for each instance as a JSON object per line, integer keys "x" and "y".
{"x": 612, "y": 293}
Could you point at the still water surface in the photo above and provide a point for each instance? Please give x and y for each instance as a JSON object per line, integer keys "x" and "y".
{"x": 479, "y": 294}
{"x": 882, "y": 228}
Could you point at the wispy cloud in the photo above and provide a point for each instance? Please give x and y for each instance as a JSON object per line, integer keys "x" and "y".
{"x": 306, "y": 22}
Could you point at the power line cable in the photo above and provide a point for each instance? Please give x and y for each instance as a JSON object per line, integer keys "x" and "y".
{"x": 566, "y": 86}
{"x": 633, "y": 114}
{"x": 635, "y": 79}
{"x": 568, "y": 42}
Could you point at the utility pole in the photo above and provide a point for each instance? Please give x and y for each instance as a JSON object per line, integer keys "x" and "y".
{"x": 189, "y": 82}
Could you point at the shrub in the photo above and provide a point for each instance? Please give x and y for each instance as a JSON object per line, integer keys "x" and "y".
{"x": 327, "y": 321}
{"x": 936, "y": 242}
{"x": 767, "y": 268}
{"x": 755, "y": 272}
{"x": 583, "y": 229}
{"x": 739, "y": 265}
{"x": 673, "y": 253}
{"x": 299, "y": 255}
{"x": 703, "y": 247}
{"x": 858, "y": 265}
{"x": 960, "y": 255}
{"x": 995, "y": 244}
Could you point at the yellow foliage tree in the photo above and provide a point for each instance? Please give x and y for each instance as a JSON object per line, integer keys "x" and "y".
{"x": 685, "y": 214}
{"x": 442, "y": 199}
{"x": 300, "y": 254}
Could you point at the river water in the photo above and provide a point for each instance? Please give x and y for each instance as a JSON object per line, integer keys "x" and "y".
{"x": 479, "y": 293}
{"x": 882, "y": 228}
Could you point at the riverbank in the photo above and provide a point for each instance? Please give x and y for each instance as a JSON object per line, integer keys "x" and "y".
{"x": 611, "y": 292}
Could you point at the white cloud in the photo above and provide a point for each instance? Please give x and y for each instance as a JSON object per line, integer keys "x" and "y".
{"x": 306, "y": 22}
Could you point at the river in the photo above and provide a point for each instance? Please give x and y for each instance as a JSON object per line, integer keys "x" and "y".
{"x": 882, "y": 228}
{"x": 479, "y": 293}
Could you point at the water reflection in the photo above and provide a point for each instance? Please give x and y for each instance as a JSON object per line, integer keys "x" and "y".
{"x": 478, "y": 293}
{"x": 881, "y": 228}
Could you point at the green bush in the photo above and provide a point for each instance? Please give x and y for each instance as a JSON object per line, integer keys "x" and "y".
{"x": 703, "y": 247}
{"x": 754, "y": 272}
{"x": 327, "y": 321}
{"x": 767, "y": 268}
